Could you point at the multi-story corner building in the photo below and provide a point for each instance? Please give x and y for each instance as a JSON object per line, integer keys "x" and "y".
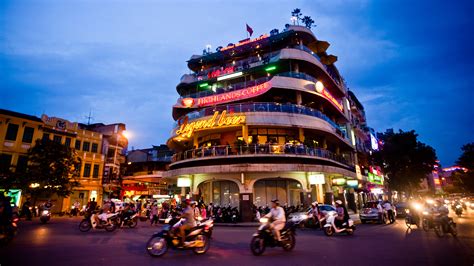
{"x": 114, "y": 147}
{"x": 88, "y": 145}
{"x": 18, "y": 133}
{"x": 264, "y": 118}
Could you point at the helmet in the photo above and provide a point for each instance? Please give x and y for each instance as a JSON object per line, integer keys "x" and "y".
{"x": 338, "y": 202}
{"x": 275, "y": 201}
{"x": 314, "y": 203}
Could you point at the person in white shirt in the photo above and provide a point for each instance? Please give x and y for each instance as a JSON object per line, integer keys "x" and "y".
{"x": 387, "y": 206}
{"x": 277, "y": 215}
{"x": 380, "y": 211}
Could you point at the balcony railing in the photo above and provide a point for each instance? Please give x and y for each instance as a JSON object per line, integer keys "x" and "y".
{"x": 264, "y": 107}
{"x": 260, "y": 149}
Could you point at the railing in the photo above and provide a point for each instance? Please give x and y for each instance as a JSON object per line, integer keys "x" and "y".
{"x": 263, "y": 107}
{"x": 260, "y": 149}
{"x": 331, "y": 73}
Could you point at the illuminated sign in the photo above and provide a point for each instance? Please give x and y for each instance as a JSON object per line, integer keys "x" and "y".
{"x": 234, "y": 95}
{"x": 352, "y": 183}
{"x": 317, "y": 179}
{"x": 187, "y": 129}
{"x": 331, "y": 98}
{"x": 184, "y": 182}
{"x": 375, "y": 179}
{"x": 222, "y": 71}
{"x": 58, "y": 123}
{"x": 244, "y": 42}
{"x": 339, "y": 181}
{"x": 187, "y": 102}
{"x": 373, "y": 142}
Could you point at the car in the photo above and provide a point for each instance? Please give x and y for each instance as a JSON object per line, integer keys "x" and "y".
{"x": 369, "y": 212}
{"x": 401, "y": 207}
{"x": 298, "y": 217}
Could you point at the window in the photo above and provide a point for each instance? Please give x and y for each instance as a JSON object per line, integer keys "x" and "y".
{"x": 22, "y": 164}
{"x": 86, "y": 146}
{"x": 78, "y": 144}
{"x": 45, "y": 136}
{"x": 67, "y": 142}
{"x": 94, "y": 147}
{"x": 87, "y": 170}
{"x": 5, "y": 162}
{"x": 95, "y": 172}
{"x": 57, "y": 138}
{"x": 12, "y": 131}
{"x": 28, "y": 135}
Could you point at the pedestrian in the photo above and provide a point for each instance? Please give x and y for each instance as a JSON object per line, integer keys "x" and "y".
{"x": 210, "y": 210}
{"x": 203, "y": 211}
{"x": 380, "y": 211}
{"x": 154, "y": 214}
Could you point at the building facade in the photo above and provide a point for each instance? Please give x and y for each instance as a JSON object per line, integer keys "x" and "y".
{"x": 264, "y": 118}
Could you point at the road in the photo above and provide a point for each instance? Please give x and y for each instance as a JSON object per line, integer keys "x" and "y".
{"x": 60, "y": 243}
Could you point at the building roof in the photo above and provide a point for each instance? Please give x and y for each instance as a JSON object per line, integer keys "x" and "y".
{"x": 356, "y": 101}
{"x": 20, "y": 115}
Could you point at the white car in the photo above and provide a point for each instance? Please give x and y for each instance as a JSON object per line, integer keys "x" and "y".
{"x": 298, "y": 217}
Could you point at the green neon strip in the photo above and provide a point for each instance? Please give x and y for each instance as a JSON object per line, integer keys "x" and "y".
{"x": 268, "y": 69}
{"x": 203, "y": 85}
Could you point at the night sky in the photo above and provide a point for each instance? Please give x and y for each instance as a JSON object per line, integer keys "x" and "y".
{"x": 409, "y": 62}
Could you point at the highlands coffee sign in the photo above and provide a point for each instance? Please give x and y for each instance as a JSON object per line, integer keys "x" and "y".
{"x": 221, "y": 98}
{"x": 186, "y": 129}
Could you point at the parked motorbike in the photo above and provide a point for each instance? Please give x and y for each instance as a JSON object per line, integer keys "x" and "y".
{"x": 89, "y": 222}
{"x": 195, "y": 239}
{"x": 330, "y": 227}
{"x": 8, "y": 231}
{"x": 45, "y": 215}
{"x": 265, "y": 238}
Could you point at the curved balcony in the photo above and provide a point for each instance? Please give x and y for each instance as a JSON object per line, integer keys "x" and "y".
{"x": 253, "y": 150}
{"x": 263, "y": 107}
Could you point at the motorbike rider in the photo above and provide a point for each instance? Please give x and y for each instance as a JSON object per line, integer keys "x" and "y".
{"x": 103, "y": 213}
{"x": 315, "y": 213}
{"x": 342, "y": 214}
{"x": 189, "y": 221}
{"x": 387, "y": 206}
{"x": 443, "y": 213}
{"x": 47, "y": 205}
{"x": 278, "y": 218}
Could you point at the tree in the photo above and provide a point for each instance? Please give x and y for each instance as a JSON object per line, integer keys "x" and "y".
{"x": 308, "y": 21}
{"x": 405, "y": 160}
{"x": 53, "y": 168}
{"x": 464, "y": 180}
{"x": 297, "y": 14}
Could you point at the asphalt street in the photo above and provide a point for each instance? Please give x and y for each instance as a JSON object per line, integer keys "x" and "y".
{"x": 61, "y": 243}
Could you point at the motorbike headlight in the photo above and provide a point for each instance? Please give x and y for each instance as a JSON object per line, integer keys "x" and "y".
{"x": 199, "y": 218}
{"x": 407, "y": 211}
{"x": 264, "y": 220}
{"x": 45, "y": 212}
{"x": 426, "y": 213}
{"x": 417, "y": 206}
{"x": 304, "y": 217}
{"x": 458, "y": 206}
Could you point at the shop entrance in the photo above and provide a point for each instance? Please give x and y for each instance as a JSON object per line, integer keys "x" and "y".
{"x": 221, "y": 193}
{"x": 287, "y": 191}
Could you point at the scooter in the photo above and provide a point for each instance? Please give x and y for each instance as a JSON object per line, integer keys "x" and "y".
{"x": 45, "y": 216}
{"x": 89, "y": 222}
{"x": 208, "y": 226}
{"x": 458, "y": 210}
{"x": 330, "y": 227}
{"x": 264, "y": 237}
{"x": 196, "y": 240}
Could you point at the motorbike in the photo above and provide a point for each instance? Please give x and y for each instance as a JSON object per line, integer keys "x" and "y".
{"x": 128, "y": 219}
{"x": 427, "y": 221}
{"x": 390, "y": 216}
{"x": 8, "y": 231}
{"x": 208, "y": 226}
{"x": 45, "y": 215}
{"x": 89, "y": 222}
{"x": 195, "y": 239}
{"x": 330, "y": 227}
{"x": 264, "y": 237}
{"x": 458, "y": 210}
{"x": 444, "y": 225}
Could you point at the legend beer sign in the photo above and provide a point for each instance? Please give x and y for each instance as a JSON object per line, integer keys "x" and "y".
{"x": 187, "y": 128}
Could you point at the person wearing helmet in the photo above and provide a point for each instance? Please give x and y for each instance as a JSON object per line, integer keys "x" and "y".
{"x": 277, "y": 216}
{"x": 48, "y": 205}
{"x": 342, "y": 214}
{"x": 189, "y": 221}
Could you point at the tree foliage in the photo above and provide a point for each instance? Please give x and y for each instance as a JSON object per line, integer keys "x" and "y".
{"x": 464, "y": 181}
{"x": 405, "y": 160}
{"x": 53, "y": 169}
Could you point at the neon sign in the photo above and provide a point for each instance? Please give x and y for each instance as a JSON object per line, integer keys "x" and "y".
{"x": 219, "y": 72}
{"x": 247, "y": 41}
{"x": 331, "y": 98}
{"x": 234, "y": 95}
{"x": 187, "y": 102}
{"x": 187, "y": 129}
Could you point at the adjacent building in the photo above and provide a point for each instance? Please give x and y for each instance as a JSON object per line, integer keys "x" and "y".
{"x": 265, "y": 118}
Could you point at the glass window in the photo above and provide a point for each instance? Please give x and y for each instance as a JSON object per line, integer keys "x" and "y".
{"x": 87, "y": 170}
{"x": 94, "y": 147}
{"x": 12, "y": 131}
{"x": 86, "y": 146}
{"x": 78, "y": 144}
{"x": 22, "y": 164}
{"x": 57, "y": 138}
{"x": 5, "y": 162}
{"x": 45, "y": 136}
{"x": 67, "y": 142}
{"x": 28, "y": 135}
{"x": 95, "y": 172}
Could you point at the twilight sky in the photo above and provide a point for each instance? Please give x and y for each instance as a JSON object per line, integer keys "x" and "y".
{"x": 409, "y": 62}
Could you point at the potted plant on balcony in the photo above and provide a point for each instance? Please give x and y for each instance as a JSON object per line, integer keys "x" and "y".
{"x": 240, "y": 146}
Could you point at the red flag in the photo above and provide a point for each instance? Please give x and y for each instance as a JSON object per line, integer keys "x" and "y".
{"x": 250, "y": 30}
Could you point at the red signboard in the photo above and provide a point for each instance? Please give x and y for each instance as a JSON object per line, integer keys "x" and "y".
{"x": 219, "y": 72}
{"x": 331, "y": 98}
{"x": 232, "y": 96}
{"x": 245, "y": 42}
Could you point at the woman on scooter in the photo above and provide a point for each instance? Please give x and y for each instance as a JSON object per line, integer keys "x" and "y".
{"x": 342, "y": 214}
